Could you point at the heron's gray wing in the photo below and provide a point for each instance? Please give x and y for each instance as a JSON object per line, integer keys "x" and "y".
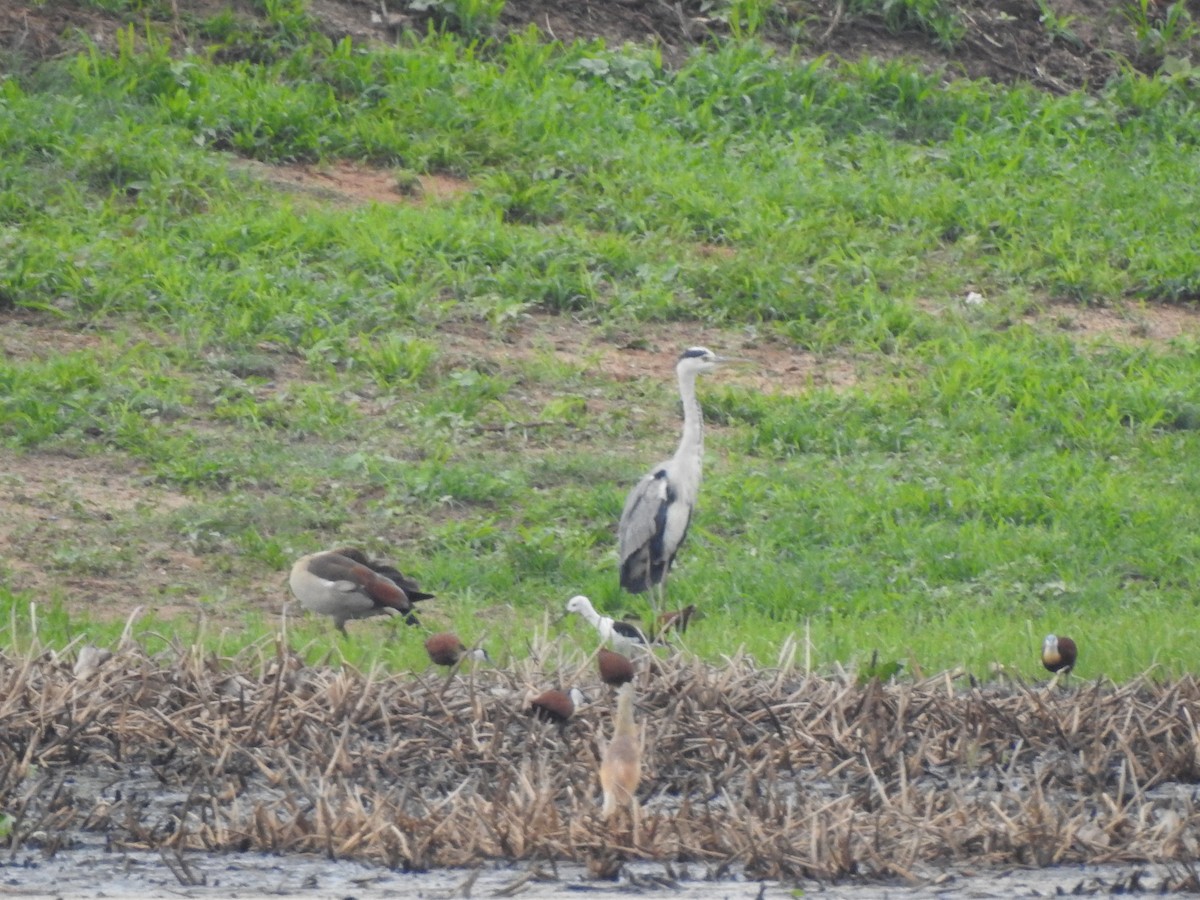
{"x": 641, "y": 519}
{"x": 674, "y": 518}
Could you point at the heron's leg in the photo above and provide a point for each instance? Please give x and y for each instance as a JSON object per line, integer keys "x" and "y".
{"x": 662, "y": 602}
{"x": 656, "y": 594}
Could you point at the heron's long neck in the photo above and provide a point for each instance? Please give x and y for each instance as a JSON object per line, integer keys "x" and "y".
{"x": 692, "y": 443}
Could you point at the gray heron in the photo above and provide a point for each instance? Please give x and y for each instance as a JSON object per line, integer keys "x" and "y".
{"x": 345, "y": 584}
{"x": 658, "y": 510}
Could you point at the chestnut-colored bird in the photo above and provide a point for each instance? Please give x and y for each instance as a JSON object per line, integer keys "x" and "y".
{"x": 345, "y": 584}
{"x": 621, "y": 761}
{"x": 676, "y": 620}
{"x": 1058, "y": 653}
{"x": 445, "y": 649}
{"x": 556, "y": 706}
{"x": 387, "y": 570}
{"x": 615, "y": 668}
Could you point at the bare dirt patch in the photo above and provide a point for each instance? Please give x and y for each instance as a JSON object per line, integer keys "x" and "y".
{"x": 651, "y": 350}
{"x": 1005, "y": 42}
{"x": 349, "y": 183}
{"x": 1124, "y": 322}
{"x": 56, "y": 515}
{"x": 102, "y": 541}
{"x": 30, "y": 335}
{"x": 1128, "y": 324}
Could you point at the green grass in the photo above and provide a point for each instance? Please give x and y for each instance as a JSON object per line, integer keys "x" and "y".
{"x": 934, "y": 17}
{"x": 290, "y": 367}
{"x": 1160, "y": 35}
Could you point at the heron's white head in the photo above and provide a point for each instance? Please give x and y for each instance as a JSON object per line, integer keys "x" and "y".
{"x": 698, "y": 359}
{"x": 701, "y": 359}
{"x": 478, "y": 653}
{"x": 1050, "y": 646}
{"x": 578, "y": 697}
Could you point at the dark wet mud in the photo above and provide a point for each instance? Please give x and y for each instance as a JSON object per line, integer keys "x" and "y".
{"x": 95, "y": 872}
{"x": 186, "y": 775}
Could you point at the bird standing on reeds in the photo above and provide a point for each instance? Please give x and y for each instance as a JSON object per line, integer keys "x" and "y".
{"x": 1058, "y": 654}
{"x": 615, "y": 668}
{"x": 659, "y": 509}
{"x": 621, "y": 761}
{"x": 346, "y": 584}
{"x": 446, "y": 649}
{"x": 620, "y": 634}
{"x": 677, "y": 620}
{"x": 556, "y": 706}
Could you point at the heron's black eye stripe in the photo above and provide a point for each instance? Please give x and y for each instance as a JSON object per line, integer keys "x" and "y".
{"x": 693, "y": 353}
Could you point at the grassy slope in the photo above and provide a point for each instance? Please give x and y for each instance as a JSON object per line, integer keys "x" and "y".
{"x": 985, "y": 480}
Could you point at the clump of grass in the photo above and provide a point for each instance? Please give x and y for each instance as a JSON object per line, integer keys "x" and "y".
{"x": 408, "y": 183}
{"x": 471, "y": 18}
{"x": 745, "y": 18}
{"x": 394, "y": 359}
{"x": 1159, "y": 33}
{"x": 1058, "y": 26}
{"x": 935, "y": 17}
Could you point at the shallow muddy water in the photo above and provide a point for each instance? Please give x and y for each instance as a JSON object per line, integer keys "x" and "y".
{"x": 95, "y": 872}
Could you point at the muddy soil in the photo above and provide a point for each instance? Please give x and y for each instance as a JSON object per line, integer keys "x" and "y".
{"x": 261, "y": 774}
{"x": 99, "y": 873}
{"x": 1056, "y": 46}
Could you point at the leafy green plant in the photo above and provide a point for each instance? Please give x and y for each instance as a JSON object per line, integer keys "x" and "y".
{"x": 744, "y": 17}
{"x": 291, "y": 18}
{"x": 619, "y": 69}
{"x": 935, "y": 17}
{"x": 1159, "y": 34}
{"x": 394, "y": 359}
{"x": 1057, "y": 26}
{"x": 470, "y": 18}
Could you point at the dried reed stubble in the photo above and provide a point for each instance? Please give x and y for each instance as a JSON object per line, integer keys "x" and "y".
{"x": 789, "y": 775}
